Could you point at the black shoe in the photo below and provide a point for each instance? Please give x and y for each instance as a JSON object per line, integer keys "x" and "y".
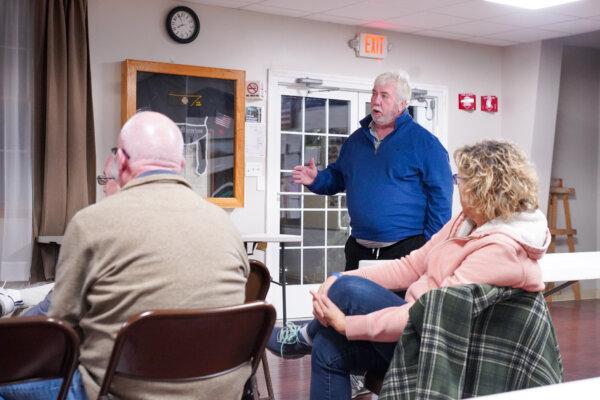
{"x": 288, "y": 342}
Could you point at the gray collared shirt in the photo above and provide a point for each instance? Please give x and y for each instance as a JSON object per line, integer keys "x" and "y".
{"x": 377, "y": 142}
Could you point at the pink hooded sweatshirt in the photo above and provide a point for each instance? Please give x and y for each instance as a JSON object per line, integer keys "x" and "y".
{"x": 499, "y": 253}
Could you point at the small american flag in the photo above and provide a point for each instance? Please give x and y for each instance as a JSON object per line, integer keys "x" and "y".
{"x": 223, "y": 120}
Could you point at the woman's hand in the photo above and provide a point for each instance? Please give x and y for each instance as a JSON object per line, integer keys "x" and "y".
{"x": 324, "y": 288}
{"x": 318, "y": 312}
{"x": 327, "y": 313}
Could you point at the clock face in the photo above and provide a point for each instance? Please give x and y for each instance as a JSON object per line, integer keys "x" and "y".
{"x": 183, "y": 24}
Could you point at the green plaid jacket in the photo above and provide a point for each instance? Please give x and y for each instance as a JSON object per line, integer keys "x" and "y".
{"x": 474, "y": 340}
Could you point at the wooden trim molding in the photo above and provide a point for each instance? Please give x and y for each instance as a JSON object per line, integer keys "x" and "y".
{"x": 129, "y": 105}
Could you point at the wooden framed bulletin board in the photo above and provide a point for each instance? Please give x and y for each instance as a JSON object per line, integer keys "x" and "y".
{"x": 208, "y": 106}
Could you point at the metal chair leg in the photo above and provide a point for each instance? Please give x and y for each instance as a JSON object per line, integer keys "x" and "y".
{"x": 267, "y": 372}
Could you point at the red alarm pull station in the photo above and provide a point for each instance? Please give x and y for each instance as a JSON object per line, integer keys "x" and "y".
{"x": 489, "y": 103}
{"x": 467, "y": 101}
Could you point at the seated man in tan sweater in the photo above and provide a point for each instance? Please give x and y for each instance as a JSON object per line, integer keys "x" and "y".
{"x": 155, "y": 244}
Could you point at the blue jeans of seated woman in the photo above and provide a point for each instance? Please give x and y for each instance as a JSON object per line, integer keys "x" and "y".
{"x": 333, "y": 356}
{"x": 41, "y": 308}
{"x": 43, "y": 389}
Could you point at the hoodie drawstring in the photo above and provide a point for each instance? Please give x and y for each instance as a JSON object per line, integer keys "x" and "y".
{"x": 376, "y": 253}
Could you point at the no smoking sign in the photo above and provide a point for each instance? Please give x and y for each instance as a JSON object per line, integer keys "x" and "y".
{"x": 253, "y": 90}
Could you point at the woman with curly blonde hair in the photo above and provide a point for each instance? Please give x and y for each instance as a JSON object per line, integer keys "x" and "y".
{"x": 497, "y": 239}
{"x": 496, "y": 179}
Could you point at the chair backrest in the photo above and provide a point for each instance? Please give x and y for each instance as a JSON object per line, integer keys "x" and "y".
{"x": 185, "y": 345}
{"x": 37, "y": 348}
{"x": 258, "y": 282}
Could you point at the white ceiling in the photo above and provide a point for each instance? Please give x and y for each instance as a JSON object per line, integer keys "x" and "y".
{"x": 475, "y": 21}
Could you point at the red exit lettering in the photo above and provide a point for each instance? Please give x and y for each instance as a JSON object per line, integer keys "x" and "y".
{"x": 374, "y": 44}
{"x": 371, "y": 45}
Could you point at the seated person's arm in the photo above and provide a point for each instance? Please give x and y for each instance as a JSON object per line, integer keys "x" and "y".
{"x": 401, "y": 273}
{"x": 68, "y": 301}
{"x": 496, "y": 264}
{"x": 385, "y": 325}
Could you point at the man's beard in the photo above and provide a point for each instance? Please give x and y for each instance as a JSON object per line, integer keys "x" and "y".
{"x": 384, "y": 119}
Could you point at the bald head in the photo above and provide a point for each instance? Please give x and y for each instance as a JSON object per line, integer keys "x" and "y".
{"x": 151, "y": 141}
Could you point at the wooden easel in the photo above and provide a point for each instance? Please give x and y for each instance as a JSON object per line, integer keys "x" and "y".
{"x": 558, "y": 191}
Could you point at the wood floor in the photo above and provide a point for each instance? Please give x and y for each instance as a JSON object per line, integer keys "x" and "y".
{"x": 577, "y": 325}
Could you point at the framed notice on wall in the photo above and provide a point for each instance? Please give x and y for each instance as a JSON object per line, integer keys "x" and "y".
{"x": 208, "y": 106}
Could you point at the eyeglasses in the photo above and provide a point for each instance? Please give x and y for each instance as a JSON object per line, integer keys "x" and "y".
{"x": 114, "y": 151}
{"x": 456, "y": 178}
{"x": 103, "y": 179}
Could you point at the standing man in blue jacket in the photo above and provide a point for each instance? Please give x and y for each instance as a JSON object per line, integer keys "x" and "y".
{"x": 396, "y": 175}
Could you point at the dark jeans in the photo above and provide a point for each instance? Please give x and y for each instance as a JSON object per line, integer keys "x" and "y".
{"x": 356, "y": 252}
{"x": 333, "y": 356}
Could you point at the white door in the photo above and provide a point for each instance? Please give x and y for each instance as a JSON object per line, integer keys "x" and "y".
{"x": 312, "y": 125}
{"x": 307, "y": 123}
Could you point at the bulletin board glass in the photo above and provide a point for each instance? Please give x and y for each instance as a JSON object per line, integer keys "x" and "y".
{"x": 208, "y": 106}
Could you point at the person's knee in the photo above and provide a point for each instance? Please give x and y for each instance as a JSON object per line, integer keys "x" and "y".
{"x": 346, "y": 288}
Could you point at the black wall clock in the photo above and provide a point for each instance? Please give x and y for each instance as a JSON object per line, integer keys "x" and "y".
{"x": 183, "y": 24}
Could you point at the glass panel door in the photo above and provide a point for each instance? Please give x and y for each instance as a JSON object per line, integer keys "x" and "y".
{"x": 313, "y": 126}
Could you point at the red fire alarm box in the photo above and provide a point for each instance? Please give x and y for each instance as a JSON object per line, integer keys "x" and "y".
{"x": 467, "y": 101}
{"x": 489, "y": 103}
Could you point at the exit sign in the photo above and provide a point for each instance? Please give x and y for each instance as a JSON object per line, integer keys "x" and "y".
{"x": 372, "y": 46}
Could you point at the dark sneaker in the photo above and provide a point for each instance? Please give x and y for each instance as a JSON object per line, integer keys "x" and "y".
{"x": 288, "y": 342}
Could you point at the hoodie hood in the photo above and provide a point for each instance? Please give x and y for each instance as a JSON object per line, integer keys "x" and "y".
{"x": 528, "y": 228}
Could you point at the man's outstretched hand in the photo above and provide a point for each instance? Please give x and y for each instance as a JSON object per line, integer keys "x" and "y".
{"x": 305, "y": 174}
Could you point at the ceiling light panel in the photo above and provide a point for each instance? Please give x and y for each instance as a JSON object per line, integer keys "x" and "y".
{"x": 532, "y": 4}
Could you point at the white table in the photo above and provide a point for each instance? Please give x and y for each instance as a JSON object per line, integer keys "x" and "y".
{"x": 569, "y": 267}
{"x": 252, "y": 239}
{"x": 50, "y": 239}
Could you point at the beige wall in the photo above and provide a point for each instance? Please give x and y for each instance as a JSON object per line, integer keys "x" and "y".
{"x": 530, "y": 84}
{"x": 520, "y": 72}
{"x": 256, "y": 42}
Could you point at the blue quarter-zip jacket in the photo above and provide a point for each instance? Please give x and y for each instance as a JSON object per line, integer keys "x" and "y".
{"x": 402, "y": 189}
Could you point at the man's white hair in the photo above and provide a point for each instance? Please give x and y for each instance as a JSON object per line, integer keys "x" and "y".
{"x": 400, "y": 80}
